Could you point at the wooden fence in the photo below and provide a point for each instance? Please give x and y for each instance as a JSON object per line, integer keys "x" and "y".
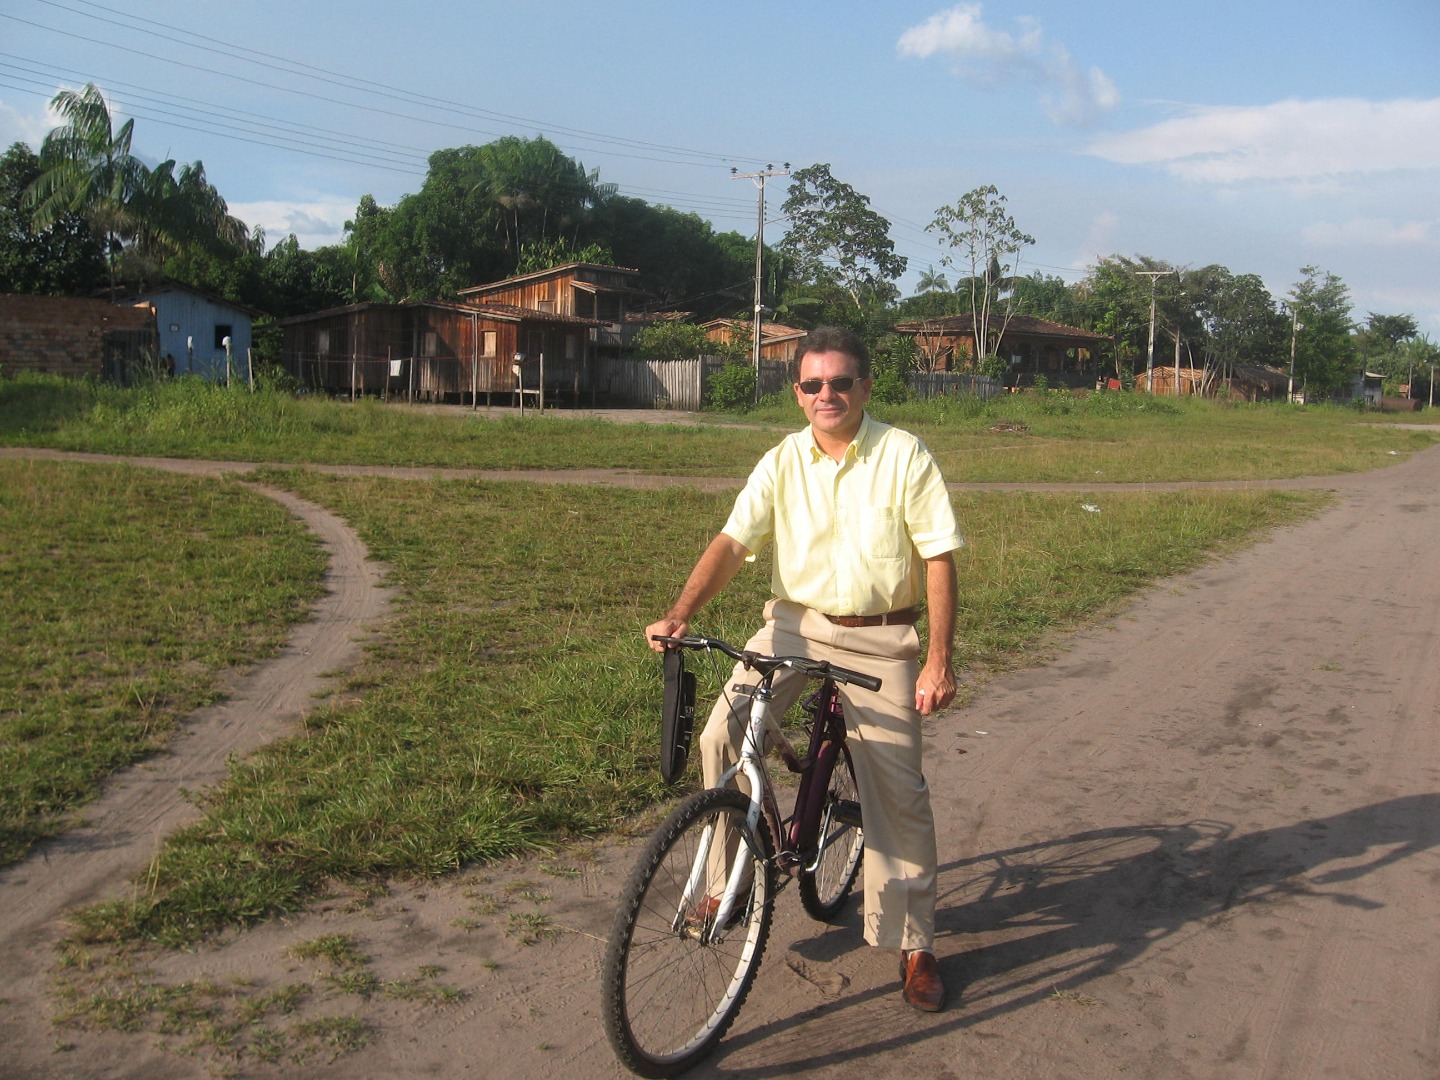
{"x": 671, "y": 384}
{"x": 943, "y": 383}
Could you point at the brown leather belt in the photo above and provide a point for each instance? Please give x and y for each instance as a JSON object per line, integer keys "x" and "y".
{"x": 904, "y": 617}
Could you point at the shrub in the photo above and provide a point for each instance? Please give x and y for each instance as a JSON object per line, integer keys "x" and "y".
{"x": 993, "y": 367}
{"x": 731, "y": 389}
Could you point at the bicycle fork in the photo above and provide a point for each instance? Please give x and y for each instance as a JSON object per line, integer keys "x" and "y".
{"x": 712, "y": 929}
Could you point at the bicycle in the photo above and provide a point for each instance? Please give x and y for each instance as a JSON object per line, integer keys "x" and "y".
{"x": 695, "y": 913}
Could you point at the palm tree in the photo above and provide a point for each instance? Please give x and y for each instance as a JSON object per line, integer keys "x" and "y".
{"x": 930, "y": 281}
{"x": 171, "y": 212}
{"x": 87, "y": 167}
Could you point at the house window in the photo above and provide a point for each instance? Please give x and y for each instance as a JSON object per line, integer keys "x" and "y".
{"x": 322, "y": 342}
{"x": 222, "y": 331}
{"x": 572, "y": 346}
{"x": 427, "y": 346}
{"x": 487, "y": 343}
{"x": 545, "y": 305}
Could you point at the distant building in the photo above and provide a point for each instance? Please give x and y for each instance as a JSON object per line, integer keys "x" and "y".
{"x": 193, "y": 326}
{"x": 1031, "y": 345}
{"x": 435, "y": 350}
{"x": 76, "y": 338}
{"x": 777, "y": 341}
{"x": 605, "y": 295}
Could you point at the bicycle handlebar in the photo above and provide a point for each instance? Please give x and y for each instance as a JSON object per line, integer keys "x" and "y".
{"x": 815, "y": 669}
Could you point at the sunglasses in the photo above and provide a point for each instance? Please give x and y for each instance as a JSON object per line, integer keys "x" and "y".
{"x": 840, "y": 384}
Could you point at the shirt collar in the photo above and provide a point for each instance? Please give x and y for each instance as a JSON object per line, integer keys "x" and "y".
{"x": 859, "y": 446}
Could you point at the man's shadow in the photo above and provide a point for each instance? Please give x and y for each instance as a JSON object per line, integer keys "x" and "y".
{"x": 1086, "y": 905}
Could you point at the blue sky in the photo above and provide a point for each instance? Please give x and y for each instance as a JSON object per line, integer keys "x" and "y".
{"x": 1264, "y": 136}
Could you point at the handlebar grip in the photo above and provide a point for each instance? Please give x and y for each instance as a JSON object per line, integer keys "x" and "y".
{"x": 865, "y": 682}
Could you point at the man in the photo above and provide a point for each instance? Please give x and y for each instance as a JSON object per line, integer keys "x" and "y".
{"x": 864, "y": 534}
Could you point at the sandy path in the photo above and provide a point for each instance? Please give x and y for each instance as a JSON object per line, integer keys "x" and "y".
{"x": 1199, "y": 843}
{"x": 141, "y": 806}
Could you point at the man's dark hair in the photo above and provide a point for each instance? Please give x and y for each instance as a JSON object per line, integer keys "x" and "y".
{"x": 832, "y": 339}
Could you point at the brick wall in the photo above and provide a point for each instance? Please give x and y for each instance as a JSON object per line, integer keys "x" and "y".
{"x": 61, "y": 335}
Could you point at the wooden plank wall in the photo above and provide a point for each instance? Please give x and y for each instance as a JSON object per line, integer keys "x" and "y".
{"x": 671, "y": 384}
{"x": 942, "y": 383}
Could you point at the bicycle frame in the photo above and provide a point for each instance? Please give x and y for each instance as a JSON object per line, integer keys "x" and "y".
{"x": 808, "y": 825}
{"x": 751, "y": 765}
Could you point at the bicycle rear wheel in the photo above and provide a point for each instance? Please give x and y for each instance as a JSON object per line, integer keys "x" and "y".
{"x": 827, "y": 881}
{"x": 672, "y": 984}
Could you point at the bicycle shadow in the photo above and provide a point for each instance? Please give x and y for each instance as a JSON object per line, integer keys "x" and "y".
{"x": 1057, "y": 914}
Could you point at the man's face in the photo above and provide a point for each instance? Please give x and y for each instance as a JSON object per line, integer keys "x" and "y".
{"x": 832, "y": 412}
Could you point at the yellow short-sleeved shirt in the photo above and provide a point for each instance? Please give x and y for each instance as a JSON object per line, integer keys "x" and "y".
{"x": 850, "y": 536}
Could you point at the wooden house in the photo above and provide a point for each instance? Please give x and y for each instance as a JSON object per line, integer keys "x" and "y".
{"x": 194, "y": 327}
{"x": 437, "y": 351}
{"x": 1032, "y": 345}
{"x": 605, "y": 296}
{"x": 777, "y": 342}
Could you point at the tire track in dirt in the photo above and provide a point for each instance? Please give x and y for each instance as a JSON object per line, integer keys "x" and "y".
{"x": 140, "y": 806}
{"x": 1136, "y": 877}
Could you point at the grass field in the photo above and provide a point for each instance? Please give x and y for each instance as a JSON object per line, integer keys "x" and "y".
{"x": 1052, "y": 437}
{"x": 127, "y": 596}
{"x": 512, "y": 704}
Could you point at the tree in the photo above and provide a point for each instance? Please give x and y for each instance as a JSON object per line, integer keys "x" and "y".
{"x": 172, "y": 212}
{"x": 990, "y": 243}
{"x": 87, "y": 168}
{"x": 478, "y": 207}
{"x": 1045, "y": 297}
{"x": 835, "y": 238}
{"x": 1325, "y": 355}
{"x": 1239, "y": 322}
{"x": 543, "y": 254}
{"x": 930, "y": 281}
{"x": 1392, "y": 329}
{"x": 1381, "y": 344}
{"x": 64, "y": 258}
{"x": 364, "y": 240}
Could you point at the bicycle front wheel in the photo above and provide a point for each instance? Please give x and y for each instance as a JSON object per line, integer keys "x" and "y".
{"x": 828, "y": 879}
{"x": 672, "y": 981}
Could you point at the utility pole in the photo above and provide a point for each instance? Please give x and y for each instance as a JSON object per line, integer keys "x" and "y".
{"x": 759, "y": 178}
{"x": 1295, "y": 328}
{"x": 1150, "y": 356}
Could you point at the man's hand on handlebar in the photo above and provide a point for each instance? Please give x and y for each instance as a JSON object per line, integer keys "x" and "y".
{"x": 664, "y": 628}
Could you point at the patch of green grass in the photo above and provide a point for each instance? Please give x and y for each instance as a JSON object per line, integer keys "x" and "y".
{"x": 1050, "y": 436}
{"x": 338, "y": 950}
{"x": 512, "y": 704}
{"x": 230, "y": 1025}
{"x": 530, "y": 927}
{"x": 128, "y": 594}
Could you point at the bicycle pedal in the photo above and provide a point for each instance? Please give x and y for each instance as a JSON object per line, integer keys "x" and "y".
{"x": 847, "y": 812}
{"x": 790, "y": 861}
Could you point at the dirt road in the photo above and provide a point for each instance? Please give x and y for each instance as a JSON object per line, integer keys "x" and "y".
{"x": 1199, "y": 843}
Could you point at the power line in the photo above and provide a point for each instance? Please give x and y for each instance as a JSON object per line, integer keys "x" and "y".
{"x": 677, "y": 155}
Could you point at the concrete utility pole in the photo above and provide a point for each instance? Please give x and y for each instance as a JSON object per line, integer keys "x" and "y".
{"x": 1150, "y": 356}
{"x": 1295, "y": 328}
{"x": 759, "y": 178}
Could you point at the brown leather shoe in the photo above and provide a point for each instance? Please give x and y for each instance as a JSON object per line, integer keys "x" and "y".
{"x": 920, "y": 974}
{"x": 704, "y": 910}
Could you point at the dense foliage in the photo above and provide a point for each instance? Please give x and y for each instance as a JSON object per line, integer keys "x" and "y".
{"x": 85, "y": 208}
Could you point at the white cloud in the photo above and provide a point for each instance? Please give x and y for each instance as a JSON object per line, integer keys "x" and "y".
{"x": 1290, "y": 141}
{"x": 315, "y": 224}
{"x": 1099, "y": 240}
{"x": 27, "y": 126}
{"x": 1372, "y": 232}
{"x": 986, "y": 57}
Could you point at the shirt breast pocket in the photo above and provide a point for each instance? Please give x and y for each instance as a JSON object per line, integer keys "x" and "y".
{"x": 882, "y": 533}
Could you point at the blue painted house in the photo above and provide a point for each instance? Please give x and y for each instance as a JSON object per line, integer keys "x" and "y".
{"x": 193, "y": 326}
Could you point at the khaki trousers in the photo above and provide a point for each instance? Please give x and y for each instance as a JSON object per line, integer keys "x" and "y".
{"x": 884, "y": 737}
